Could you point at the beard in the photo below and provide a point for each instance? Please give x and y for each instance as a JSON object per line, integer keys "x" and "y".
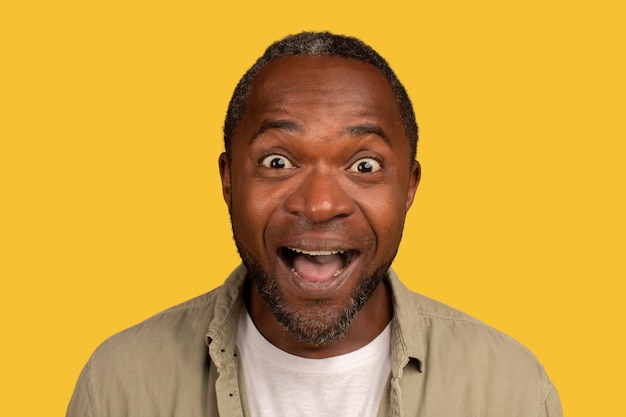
{"x": 319, "y": 323}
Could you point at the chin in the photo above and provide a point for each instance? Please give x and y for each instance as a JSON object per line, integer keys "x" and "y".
{"x": 319, "y": 320}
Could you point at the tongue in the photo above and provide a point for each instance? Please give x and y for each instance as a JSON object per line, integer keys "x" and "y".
{"x": 317, "y": 268}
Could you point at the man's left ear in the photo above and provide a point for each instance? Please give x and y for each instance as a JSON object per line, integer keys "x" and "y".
{"x": 414, "y": 180}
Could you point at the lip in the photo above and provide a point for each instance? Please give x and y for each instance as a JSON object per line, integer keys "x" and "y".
{"x": 288, "y": 254}
{"x": 320, "y": 243}
{"x": 319, "y": 289}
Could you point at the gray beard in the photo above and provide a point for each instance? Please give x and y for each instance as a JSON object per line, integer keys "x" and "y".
{"x": 316, "y": 324}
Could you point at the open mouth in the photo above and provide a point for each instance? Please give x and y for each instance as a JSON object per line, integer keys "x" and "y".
{"x": 316, "y": 266}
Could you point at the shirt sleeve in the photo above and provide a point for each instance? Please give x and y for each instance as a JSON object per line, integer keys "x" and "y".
{"x": 80, "y": 403}
{"x": 551, "y": 406}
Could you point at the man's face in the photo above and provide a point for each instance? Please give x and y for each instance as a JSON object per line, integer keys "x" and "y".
{"x": 318, "y": 188}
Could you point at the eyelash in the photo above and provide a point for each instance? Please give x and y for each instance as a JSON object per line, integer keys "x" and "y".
{"x": 377, "y": 164}
{"x": 268, "y": 160}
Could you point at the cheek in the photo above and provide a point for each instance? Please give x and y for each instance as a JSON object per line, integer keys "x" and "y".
{"x": 248, "y": 211}
{"x": 388, "y": 219}
{"x": 254, "y": 205}
{"x": 384, "y": 209}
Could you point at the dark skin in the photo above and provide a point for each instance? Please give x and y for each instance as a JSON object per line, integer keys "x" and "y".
{"x": 318, "y": 188}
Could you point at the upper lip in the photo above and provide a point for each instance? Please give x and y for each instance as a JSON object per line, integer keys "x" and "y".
{"x": 317, "y": 252}
{"x": 319, "y": 244}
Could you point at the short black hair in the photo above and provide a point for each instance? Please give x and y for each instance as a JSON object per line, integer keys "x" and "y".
{"x": 320, "y": 43}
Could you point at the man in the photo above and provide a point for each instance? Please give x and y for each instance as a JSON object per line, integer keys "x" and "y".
{"x": 318, "y": 174}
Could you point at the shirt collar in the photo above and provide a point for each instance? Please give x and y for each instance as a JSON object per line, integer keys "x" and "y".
{"x": 406, "y": 332}
{"x": 221, "y": 334}
{"x": 407, "y": 336}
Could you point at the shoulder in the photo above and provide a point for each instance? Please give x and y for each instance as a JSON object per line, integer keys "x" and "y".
{"x": 428, "y": 324}
{"x": 162, "y": 363}
{"x": 457, "y": 353}
{"x": 453, "y": 343}
{"x": 444, "y": 330}
{"x": 460, "y": 332}
{"x": 143, "y": 360}
{"x": 177, "y": 332}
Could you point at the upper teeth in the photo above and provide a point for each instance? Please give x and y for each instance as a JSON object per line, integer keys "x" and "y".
{"x": 317, "y": 252}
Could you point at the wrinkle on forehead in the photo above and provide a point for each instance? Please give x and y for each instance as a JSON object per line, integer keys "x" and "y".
{"x": 301, "y": 94}
{"x": 355, "y": 131}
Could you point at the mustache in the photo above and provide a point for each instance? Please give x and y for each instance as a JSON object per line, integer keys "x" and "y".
{"x": 301, "y": 226}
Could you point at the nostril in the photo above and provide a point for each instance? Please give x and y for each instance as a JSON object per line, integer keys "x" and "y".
{"x": 320, "y": 198}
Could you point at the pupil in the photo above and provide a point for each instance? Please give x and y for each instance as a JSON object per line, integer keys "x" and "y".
{"x": 277, "y": 163}
{"x": 365, "y": 166}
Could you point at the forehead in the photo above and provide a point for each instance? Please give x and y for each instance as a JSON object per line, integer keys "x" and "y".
{"x": 322, "y": 81}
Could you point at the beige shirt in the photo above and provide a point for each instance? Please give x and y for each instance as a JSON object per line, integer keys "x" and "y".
{"x": 184, "y": 362}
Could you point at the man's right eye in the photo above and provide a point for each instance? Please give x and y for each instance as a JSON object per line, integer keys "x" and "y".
{"x": 276, "y": 162}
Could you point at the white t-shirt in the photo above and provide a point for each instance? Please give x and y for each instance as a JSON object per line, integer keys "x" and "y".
{"x": 279, "y": 384}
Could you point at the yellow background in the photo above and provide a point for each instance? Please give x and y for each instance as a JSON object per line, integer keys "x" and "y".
{"x": 110, "y": 127}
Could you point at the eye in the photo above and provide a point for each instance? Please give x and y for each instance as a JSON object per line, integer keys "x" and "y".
{"x": 365, "y": 165}
{"x": 276, "y": 162}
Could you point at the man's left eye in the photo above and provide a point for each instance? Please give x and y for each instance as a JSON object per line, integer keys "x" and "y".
{"x": 365, "y": 165}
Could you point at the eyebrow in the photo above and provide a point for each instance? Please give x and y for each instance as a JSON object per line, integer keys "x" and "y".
{"x": 292, "y": 127}
{"x": 367, "y": 129}
{"x": 280, "y": 124}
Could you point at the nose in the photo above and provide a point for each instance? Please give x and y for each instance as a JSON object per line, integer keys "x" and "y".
{"x": 320, "y": 197}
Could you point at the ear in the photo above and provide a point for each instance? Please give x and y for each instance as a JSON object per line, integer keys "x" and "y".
{"x": 225, "y": 175}
{"x": 414, "y": 180}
